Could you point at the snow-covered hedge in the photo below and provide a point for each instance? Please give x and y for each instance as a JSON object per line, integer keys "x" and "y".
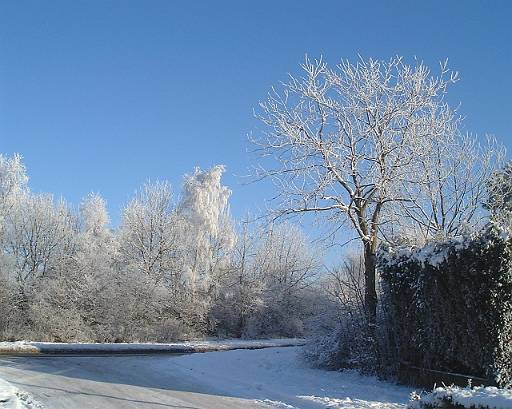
{"x": 461, "y": 398}
{"x": 450, "y": 305}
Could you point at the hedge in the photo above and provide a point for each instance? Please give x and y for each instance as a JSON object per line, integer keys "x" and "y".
{"x": 449, "y": 305}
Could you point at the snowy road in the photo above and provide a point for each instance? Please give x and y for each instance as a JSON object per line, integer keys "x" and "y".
{"x": 273, "y": 377}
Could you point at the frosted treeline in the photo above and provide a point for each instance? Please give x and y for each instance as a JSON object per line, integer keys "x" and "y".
{"x": 172, "y": 269}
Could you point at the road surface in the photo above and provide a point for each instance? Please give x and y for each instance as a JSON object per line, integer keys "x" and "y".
{"x": 277, "y": 378}
{"x": 114, "y": 382}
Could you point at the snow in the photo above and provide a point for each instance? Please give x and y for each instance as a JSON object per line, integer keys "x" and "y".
{"x": 12, "y": 398}
{"x": 21, "y": 347}
{"x": 271, "y": 378}
{"x": 279, "y": 378}
{"x": 434, "y": 253}
{"x": 27, "y": 347}
{"x": 475, "y": 398}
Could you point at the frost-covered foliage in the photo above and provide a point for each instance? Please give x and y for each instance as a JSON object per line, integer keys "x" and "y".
{"x": 499, "y": 201}
{"x": 268, "y": 289}
{"x": 171, "y": 270}
{"x": 453, "y": 397}
{"x": 13, "y": 179}
{"x": 340, "y": 339}
{"x": 373, "y": 145}
{"x": 94, "y": 215}
{"x": 149, "y": 233}
{"x": 450, "y": 305}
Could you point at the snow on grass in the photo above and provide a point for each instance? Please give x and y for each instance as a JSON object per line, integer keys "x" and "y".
{"x": 278, "y": 378}
{"x": 12, "y": 398}
{"x": 27, "y": 347}
{"x": 21, "y": 347}
{"x": 475, "y": 398}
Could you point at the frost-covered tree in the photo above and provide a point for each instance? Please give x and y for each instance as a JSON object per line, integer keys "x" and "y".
{"x": 285, "y": 263}
{"x": 266, "y": 290}
{"x": 241, "y": 294}
{"x": 209, "y": 239}
{"x": 38, "y": 249}
{"x": 150, "y": 233}
{"x": 13, "y": 176}
{"x": 350, "y": 143}
{"x": 445, "y": 198}
{"x": 499, "y": 200}
{"x": 168, "y": 272}
{"x": 94, "y": 215}
{"x": 205, "y": 207}
{"x": 39, "y": 236}
{"x": 95, "y": 282}
{"x": 13, "y": 182}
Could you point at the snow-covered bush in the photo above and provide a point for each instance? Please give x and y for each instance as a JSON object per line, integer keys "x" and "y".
{"x": 453, "y": 397}
{"x": 450, "y": 305}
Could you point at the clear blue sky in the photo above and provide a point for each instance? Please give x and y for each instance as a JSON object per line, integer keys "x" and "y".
{"x": 102, "y": 95}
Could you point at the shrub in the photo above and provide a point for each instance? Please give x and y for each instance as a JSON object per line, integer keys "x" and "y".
{"x": 450, "y": 305}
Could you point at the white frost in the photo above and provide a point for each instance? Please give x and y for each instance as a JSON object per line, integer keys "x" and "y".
{"x": 474, "y": 398}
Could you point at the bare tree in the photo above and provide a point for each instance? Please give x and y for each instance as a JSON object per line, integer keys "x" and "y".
{"x": 344, "y": 142}
{"x": 451, "y": 184}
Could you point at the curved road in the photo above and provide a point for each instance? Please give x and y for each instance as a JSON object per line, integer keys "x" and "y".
{"x": 113, "y": 382}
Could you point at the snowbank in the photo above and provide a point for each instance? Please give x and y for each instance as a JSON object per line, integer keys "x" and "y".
{"x": 53, "y": 348}
{"x": 18, "y": 347}
{"x": 471, "y": 398}
{"x": 12, "y": 398}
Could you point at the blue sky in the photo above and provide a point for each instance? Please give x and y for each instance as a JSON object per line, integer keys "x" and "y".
{"x": 102, "y": 95}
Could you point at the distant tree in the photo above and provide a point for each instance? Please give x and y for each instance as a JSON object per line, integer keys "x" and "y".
{"x": 13, "y": 181}
{"x": 265, "y": 289}
{"x": 209, "y": 240}
{"x": 40, "y": 236}
{"x": 241, "y": 289}
{"x": 149, "y": 233}
{"x": 445, "y": 197}
{"x": 499, "y": 187}
{"x": 96, "y": 284}
{"x": 285, "y": 263}
{"x": 94, "y": 215}
{"x": 205, "y": 207}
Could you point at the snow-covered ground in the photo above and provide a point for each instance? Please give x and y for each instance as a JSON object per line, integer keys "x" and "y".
{"x": 279, "y": 378}
{"x": 27, "y": 347}
{"x": 479, "y": 397}
{"x": 13, "y": 398}
{"x": 265, "y": 378}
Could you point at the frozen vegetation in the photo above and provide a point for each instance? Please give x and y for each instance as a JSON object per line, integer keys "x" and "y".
{"x": 374, "y": 151}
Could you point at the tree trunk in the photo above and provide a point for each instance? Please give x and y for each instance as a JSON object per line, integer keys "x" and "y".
{"x": 370, "y": 292}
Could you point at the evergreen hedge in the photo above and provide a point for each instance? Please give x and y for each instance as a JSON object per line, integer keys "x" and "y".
{"x": 449, "y": 305}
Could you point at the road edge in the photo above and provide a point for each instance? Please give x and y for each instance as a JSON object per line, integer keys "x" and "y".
{"x": 27, "y": 348}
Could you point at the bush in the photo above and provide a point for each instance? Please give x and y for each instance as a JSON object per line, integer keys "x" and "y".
{"x": 339, "y": 334}
{"x": 452, "y": 397}
{"x": 450, "y": 305}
